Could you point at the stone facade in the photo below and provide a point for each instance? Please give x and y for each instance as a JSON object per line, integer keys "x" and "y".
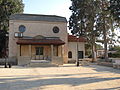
{"x": 39, "y": 25}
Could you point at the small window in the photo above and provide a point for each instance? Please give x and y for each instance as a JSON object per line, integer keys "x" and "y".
{"x": 22, "y": 28}
{"x": 69, "y": 54}
{"x": 55, "y": 29}
{"x": 39, "y": 50}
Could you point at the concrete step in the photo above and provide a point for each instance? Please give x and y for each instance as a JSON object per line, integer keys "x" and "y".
{"x": 41, "y": 63}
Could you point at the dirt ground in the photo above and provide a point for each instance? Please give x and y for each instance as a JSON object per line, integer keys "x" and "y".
{"x": 67, "y": 77}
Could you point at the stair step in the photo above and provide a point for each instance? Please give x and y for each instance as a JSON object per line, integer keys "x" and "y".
{"x": 41, "y": 63}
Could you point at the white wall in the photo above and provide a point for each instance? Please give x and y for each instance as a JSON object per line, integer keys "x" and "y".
{"x": 72, "y": 46}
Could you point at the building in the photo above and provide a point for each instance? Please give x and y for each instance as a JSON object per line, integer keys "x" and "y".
{"x": 42, "y": 37}
{"x": 74, "y": 45}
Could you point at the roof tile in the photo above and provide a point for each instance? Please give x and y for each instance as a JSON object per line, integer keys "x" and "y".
{"x": 72, "y": 38}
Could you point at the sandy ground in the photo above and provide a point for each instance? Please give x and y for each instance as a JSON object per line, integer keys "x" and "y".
{"x": 67, "y": 77}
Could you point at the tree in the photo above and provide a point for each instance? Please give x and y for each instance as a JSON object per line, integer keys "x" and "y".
{"x": 103, "y": 23}
{"x": 115, "y": 13}
{"x": 82, "y": 21}
{"x": 7, "y": 8}
{"x": 106, "y": 23}
{"x": 93, "y": 19}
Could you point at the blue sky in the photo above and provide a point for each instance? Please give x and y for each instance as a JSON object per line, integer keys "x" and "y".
{"x": 49, "y": 7}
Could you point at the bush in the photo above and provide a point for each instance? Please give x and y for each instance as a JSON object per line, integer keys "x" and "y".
{"x": 114, "y": 55}
{"x": 103, "y": 60}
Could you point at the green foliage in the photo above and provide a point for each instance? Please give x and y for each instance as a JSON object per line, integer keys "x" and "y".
{"x": 3, "y": 40}
{"x": 93, "y": 19}
{"x": 115, "y": 48}
{"x": 83, "y": 20}
{"x": 83, "y": 16}
{"x": 87, "y": 49}
{"x": 7, "y": 8}
{"x": 116, "y": 54}
{"x": 98, "y": 46}
{"x": 115, "y": 9}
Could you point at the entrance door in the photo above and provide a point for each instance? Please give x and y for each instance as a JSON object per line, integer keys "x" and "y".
{"x": 80, "y": 54}
{"x": 39, "y": 53}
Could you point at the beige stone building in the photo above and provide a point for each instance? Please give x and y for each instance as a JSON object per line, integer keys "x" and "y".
{"x": 42, "y": 37}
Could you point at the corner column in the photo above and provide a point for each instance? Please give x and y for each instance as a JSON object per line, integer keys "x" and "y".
{"x": 18, "y": 50}
{"x": 51, "y": 52}
{"x": 30, "y": 51}
{"x": 61, "y": 51}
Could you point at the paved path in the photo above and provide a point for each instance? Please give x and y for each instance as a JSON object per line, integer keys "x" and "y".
{"x": 68, "y": 77}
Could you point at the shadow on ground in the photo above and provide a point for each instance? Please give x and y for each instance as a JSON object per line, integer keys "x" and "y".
{"x": 24, "y": 83}
{"x": 104, "y": 69}
{"x": 39, "y": 81}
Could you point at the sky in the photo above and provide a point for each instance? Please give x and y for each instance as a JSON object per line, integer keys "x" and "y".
{"x": 48, "y": 7}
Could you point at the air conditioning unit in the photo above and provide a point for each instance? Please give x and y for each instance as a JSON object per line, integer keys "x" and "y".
{"x": 18, "y": 35}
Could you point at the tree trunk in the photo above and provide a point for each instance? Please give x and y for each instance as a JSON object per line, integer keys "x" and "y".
{"x": 104, "y": 31}
{"x": 105, "y": 41}
{"x": 93, "y": 50}
{"x": 105, "y": 46}
{"x": 93, "y": 53}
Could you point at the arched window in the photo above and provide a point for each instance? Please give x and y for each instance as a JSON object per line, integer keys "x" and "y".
{"x": 69, "y": 54}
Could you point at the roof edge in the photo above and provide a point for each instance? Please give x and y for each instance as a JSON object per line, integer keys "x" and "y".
{"x": 24, "y": 16}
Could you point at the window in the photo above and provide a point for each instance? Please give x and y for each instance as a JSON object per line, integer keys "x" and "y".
{"x": 55, "y": 29}
{"x": 39, "y": 50}
{"x": 69, "y": 54}
{"x": 22, "y": 28}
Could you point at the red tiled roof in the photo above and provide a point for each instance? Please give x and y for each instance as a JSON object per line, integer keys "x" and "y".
{"x": 40, "y": 42}
{"x": 72, "y": 38}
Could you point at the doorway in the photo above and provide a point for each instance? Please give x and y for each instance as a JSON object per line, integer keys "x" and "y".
{"x": 80, "y": 55}
{"x": 39, "y": 53}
